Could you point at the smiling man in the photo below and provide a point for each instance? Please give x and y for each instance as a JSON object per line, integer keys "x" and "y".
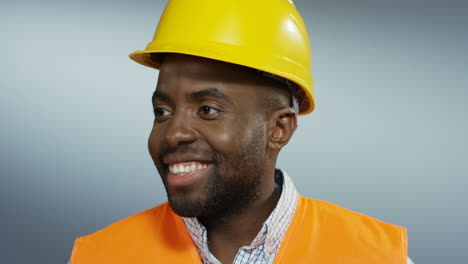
{"x": 233, "y": 77}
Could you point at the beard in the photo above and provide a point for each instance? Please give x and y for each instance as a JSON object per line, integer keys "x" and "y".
{"x": 233, "y": 185}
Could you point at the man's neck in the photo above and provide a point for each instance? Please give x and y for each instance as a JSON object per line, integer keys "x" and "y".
{"x": 226, "y": 234}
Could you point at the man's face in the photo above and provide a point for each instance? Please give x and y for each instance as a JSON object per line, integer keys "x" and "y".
{"x": 208, "y": 140}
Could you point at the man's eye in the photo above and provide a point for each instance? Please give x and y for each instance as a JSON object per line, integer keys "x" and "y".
{"x": 208, "y": 110}
{"x": 158, "y": 112}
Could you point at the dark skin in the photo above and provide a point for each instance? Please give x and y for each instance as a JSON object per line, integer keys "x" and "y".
{"x": 207, "y": 111}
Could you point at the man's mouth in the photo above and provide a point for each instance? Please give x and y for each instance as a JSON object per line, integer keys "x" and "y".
{"x": 186, "y": 173}
{"x": 182, "y": 168}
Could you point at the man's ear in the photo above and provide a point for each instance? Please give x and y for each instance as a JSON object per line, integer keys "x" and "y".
{"x": 281, "y": 127}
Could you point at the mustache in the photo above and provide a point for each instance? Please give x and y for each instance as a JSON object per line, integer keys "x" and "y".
{"x": 188, "y": 150}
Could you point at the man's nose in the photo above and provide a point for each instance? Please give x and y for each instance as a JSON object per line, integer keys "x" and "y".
{"x": 180, "y": 130}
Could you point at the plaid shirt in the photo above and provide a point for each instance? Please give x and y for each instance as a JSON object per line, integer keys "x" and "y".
{"x": 265, "y": 245}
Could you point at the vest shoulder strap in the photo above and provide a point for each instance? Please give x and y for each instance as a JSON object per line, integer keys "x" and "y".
{"x": 325, "y": 233}
{"x": 156, "y": 235}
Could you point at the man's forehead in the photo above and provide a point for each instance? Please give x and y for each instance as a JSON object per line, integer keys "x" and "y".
{"x": 178, "y": 66}
{"x": 185, "y": 75}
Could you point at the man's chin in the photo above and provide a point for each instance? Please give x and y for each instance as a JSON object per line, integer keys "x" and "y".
{"x": 186, "y": 208}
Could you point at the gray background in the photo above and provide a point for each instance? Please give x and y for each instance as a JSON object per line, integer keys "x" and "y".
{"x": 388, "y": 137}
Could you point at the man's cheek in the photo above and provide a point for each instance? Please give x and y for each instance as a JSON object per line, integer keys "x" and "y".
{"x": 153, "y": 148}
{"x": 226, "y": 135}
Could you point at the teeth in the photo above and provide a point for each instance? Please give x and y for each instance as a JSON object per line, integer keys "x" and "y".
{"x": 186, "y": 167}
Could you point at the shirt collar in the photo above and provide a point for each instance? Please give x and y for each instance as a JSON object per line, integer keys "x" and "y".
{"x": 274, "y": 228}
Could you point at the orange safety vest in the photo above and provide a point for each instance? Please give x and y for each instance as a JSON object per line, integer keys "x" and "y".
{"x": 320, "y": 232}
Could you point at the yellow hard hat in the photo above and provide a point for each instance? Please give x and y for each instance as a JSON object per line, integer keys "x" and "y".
{"x": 267, "y": 35}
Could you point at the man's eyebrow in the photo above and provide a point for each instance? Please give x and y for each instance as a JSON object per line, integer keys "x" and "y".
{"x": 160, "y": 96}
{"x": 210, "y": 92}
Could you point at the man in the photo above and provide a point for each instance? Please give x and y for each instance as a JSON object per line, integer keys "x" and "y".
{"x": 233, "y": 77}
